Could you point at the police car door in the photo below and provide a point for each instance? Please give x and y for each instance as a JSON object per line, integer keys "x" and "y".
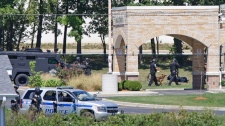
{"x": 64, "y": 103}
{"x": 48, "y": 102}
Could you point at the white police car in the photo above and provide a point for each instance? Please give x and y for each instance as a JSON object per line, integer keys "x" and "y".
{"x": 67, "y": 97}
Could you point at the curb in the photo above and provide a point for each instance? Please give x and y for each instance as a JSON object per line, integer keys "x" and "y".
{"x": 128, "y": 93}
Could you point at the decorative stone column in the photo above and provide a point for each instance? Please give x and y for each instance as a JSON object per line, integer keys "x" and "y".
{"x": 132, "y": 63}
{"x": 212, "y": 73}
{"x": 119, "y": 63}
{"x": 198, "y": 71}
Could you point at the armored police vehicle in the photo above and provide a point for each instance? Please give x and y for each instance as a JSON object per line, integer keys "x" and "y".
{"x": 45, "y": 61}
{"x": 66, "y": 100}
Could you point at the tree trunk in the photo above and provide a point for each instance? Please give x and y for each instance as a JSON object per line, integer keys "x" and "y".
{"x": 3, "y": 38}
{"x": 11, "y": 36}
{"x": 33, "y": 33}
{"x": 140, "y": 54}
{"x": 38, "y": 44}
{"x": 56, "y": 29}
{"x": 20, "y": 37}
{"x": 178, "y": 49}
{"x": 65, "y": 31}
{"x": 157, "y": 41}
{"x": 153, "y": 47}
{"x": 79, "y": 41}
{"x": 104, "y": 47}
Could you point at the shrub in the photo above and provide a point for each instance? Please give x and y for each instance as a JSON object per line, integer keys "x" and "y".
{"x": 223, "y": 83}
{"x": 154, "y": 119}
{"x": 132, "y": 85}
{"x": 35, "y": 79}
{"x": 88, "y": 83}
{"x": 121, "y": 85}
{"x": 67, "y": 73}
{"x": 53, "y": 83}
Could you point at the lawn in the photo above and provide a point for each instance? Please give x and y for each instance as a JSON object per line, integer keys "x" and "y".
{"x": 209, "y": 100}
{"x": 163, "y": 65}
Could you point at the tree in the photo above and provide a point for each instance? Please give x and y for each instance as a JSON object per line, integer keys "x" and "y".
{"x": 40, "y": 20}
{"x": 99, "y": 21}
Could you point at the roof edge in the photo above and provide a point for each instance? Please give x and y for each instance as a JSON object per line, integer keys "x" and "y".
{"x": 166, "y": 8}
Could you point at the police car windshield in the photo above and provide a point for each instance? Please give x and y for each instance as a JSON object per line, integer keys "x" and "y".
{"x": 83, "y": 96}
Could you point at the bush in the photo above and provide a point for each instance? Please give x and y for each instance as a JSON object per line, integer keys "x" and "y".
{"x": 181, "y": 118}
{"x": 88, "y": 83}
{"x": 121, "y": 85}
{"x": 132, "y": 85}
{"x": 223, "y": 83}
{"x": 53, "y": 83}
{"x": 35, "y": 79}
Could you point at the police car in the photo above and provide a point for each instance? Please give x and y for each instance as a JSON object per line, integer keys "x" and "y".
{"x": 67, "y": 97}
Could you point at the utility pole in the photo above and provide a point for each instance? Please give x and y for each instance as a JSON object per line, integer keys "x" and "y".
{"x": 109, "y": 32}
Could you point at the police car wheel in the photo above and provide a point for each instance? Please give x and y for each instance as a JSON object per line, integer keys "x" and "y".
{"x": 21, "y": 80}
{"x": 87, "y": 114}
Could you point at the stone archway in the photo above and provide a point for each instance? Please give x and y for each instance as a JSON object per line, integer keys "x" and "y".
{"x": 196, "y": 25}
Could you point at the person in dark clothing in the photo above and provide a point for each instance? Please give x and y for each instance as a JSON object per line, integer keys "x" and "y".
{"x": 36, "y": 99}
{"x": 55, "y": 102}
{"x": 15, "y": 102}
{"x": 153, "y": 70}
{"x": 87, "y": 68}
{"x": 174, "y": 72}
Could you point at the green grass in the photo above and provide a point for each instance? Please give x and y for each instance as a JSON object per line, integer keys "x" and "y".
{"x": 213, "y": 100}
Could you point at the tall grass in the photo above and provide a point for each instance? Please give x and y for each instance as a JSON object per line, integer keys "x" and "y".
{"x": 88, "y": 83}
{"x": 47, "y": 76}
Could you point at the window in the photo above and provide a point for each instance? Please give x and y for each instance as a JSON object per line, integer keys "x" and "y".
{"x": 27, "y": 95}
{"x": 12, "y": 57}
{"x": 50, "y": 95}
{"x": 52, "y": 61}
{"x": 30, "y": 57}
{"x": 64, "y": 97}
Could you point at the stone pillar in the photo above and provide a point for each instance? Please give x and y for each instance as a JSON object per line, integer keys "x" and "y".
{"x": 132, "y": 63}
{"x": 198, "y": 66}
{"x": 212, "y": 73}
{"x": 119, "y": 63}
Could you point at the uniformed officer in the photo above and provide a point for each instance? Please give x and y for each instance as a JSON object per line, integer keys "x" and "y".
{"x": 36, "y": 99}
{"x": 15, "y": 103}
{"x": 77, "y": 62}
{"x": 153, "y": 70}
{"x": 87, "y": 65}
{"x": 174, "y": 72}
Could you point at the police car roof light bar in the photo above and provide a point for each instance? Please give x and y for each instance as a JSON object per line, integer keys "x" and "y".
{"x": 65, "y": 87}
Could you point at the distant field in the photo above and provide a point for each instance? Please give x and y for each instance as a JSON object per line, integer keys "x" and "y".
{"x": 145, "y": 46}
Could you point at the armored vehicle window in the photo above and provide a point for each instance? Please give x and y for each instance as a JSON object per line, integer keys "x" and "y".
{"x": 12, "y": 57}
{"x": 30, "y": 57}
{"x": 50, "y": 95}
{"x": 27, "y": 95}
{"x": 52, "y": 61}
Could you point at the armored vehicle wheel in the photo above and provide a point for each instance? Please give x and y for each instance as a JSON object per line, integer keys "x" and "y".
{"x": 21, "y": 80}
{"x": 87, "y": 114}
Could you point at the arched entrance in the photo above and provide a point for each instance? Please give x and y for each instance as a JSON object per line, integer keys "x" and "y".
{"x": 196, "y": 25}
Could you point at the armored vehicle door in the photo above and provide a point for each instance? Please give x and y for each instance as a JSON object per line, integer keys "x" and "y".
{"x": 46, "y": 64}
{"x": 41, "y": 64}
